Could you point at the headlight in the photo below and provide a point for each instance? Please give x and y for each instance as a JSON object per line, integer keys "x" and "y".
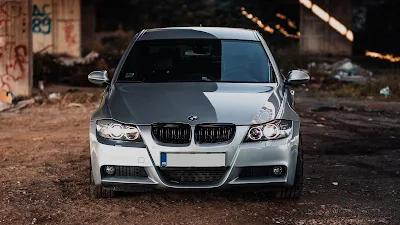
{"x": 273, "y": 130}
{"x": 112, "y": 130}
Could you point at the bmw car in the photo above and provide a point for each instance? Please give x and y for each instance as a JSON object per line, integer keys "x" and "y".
{"x": 196, "y": 108}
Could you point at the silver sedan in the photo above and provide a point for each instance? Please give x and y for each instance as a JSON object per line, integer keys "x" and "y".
{"x": 197, "y": 108}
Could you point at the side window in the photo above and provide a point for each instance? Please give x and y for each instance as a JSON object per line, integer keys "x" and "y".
{"x": 271, "y": 72}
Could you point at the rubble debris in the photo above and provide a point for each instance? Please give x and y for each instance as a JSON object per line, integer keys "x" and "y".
{"x": 385, "y": 91}
{"x": 41, "y": 86}
{"x": 344, "y": 71}
{"x": 320, "y": 68}
{"x": 75, "y": 105}
{"x": 70, "y": 61}
{"x": 78, "y": 97}
{"x": 8, "y": 102}
{"x": 349, "y": 109}
{"x": 54, "y": 97}
{"x": 16, "y": 106}
{"x": 335, "y": 183}
{"x": 5, "y": 106}
{"x": 347, "y": 71}
{"x": 65, "y": 69}
{"x": 7, "y": 97}
{"x": 66, "y": 180}
{"x": 38, "y": 99}
{"x": 23, "y": 104}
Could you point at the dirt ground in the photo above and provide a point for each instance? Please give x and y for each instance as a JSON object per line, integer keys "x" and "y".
{"x": 352, "y": 171}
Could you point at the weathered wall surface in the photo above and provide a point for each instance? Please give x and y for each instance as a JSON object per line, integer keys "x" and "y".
{"x": 56, "y": 26}
{"x": 88, "y": 25}
{"x": 67, "y": 37}
{"x": 15, "y": 42}
{"x": 317, "y": 37}
{"x": 42, "y": 25}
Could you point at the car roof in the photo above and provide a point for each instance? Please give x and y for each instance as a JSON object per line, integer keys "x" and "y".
{"x": 199, "y": 33}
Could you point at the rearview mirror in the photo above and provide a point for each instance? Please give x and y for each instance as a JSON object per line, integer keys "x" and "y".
{"x": 99, "y": 77}
{"x": 296, "y": 77}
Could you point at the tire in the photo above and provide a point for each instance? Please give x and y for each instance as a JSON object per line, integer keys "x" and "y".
{"x": 294, "y": 192}
{"x": 97, "y": 192}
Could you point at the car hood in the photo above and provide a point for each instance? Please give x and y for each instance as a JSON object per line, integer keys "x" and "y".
{"x": 147, "y": 103}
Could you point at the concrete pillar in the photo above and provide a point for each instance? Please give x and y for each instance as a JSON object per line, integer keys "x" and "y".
{"x": 88, "y": 25}
{"x": 317, "y": 37}
{"x": 67, "y": 39}
{"x": 56, "y": 26}
{"x": 16, "y": 47}
{"x": 42, "y": 26}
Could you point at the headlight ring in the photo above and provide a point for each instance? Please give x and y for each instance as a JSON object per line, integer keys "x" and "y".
{"x": 116, "y": 131}
{"x": 273, "y": 130}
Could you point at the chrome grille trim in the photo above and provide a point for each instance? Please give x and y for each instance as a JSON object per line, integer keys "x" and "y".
{"x": 214, "y": 133}
{"x": 171, "y": 133}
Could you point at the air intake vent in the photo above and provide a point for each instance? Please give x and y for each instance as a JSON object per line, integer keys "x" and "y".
{"x": 171, "y": 133}
{"x": 126, "y": 171}
{"x": 214, "y": 133}
{"x": 260, "y": 172}
{"x": 193, "y": 175}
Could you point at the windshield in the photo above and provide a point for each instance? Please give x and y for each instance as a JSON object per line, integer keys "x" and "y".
{"x": 191, "y": 60}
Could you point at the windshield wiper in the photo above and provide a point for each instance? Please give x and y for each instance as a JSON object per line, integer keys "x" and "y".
{"x": 191, "y": 81}
{"x": 129, "y": 81}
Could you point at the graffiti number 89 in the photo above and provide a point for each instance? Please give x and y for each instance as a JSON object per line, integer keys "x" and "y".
{"x": 41, "y": 21}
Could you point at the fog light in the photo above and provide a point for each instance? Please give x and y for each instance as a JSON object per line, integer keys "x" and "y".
{"x": 110, "y": 170}
{"x": 277, "y": 170}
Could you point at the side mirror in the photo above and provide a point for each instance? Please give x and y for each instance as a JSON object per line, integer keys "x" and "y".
{"x": 296, "y": 77}
{"x": 99, "y": 77}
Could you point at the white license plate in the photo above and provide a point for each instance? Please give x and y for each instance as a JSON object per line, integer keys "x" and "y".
{"x": 192, "y": 159}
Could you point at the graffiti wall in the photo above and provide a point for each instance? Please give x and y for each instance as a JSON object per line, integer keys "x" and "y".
{"x": 56, "y": 26}
{"x": 42, "y": 25}
{"x": 68, "y": 27}
{"x": 15, "y": 69}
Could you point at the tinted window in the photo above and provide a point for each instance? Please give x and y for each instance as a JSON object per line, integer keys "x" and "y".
{"x": 190, "y": 60}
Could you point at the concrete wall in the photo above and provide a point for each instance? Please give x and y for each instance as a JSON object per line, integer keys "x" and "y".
{"x": 15, "y": 46}
{"x": 56, "y": 26}
{"x": 42, "y": 25}
{"x": 88, "y": 25}
{"x": 68, "y": 27}
{"x": 317, "y": 37}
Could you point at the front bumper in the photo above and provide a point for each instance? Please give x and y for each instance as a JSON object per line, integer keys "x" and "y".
{"x": 239, "y": 155}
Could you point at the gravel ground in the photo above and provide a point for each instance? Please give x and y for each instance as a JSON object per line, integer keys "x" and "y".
{"x": 352, "y": 171}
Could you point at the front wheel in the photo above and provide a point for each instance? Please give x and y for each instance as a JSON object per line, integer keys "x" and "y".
{"x": 294, "y": 192}
{"x": 99, "y": 191}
